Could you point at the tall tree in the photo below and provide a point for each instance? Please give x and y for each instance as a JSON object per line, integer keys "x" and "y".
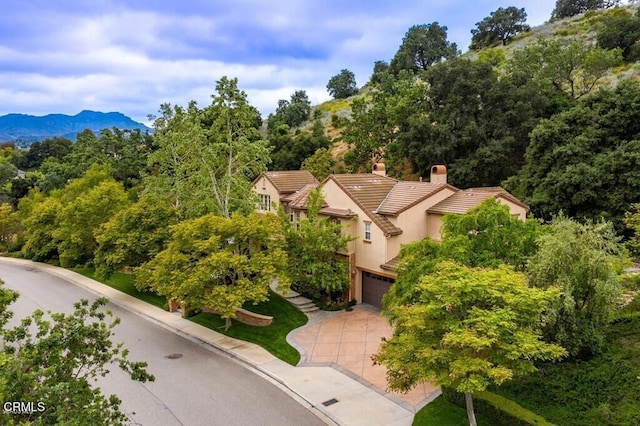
{"x": 9, "y": 226}
{"x": 292, "y": 113}
{"x": 313, "y": 247}
{"x": 321, "y": 164}
{"x": 342, "y": 85}
{"x": 573, "y": 68}
{"x": 423, "y": 46}
{"x": 207, "y": 159}
{"x": 632, "y": 222}
{"x": 568, "y": 8}
{"x": 585, "y": 161}
{"x": 134, "y": 235}
{"x": 582, "y": 260}
{"x": 218, "y": 262}
{"x": 469, "y": 328}
{"x": 53, "y": 360}
{"x": 499, "y": 27}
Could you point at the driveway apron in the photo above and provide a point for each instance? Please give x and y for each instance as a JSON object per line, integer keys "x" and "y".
{"x": 347, "y": 340}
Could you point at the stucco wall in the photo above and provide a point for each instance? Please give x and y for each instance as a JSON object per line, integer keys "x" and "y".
{"x": 264, "y": 186}
{"x": 515, "y": 209}
{"x": 369, "y": 255}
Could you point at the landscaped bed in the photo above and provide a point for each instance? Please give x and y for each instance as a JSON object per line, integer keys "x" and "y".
{"x": 272, "y": 337}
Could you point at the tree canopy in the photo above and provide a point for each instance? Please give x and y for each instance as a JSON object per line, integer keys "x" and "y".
{"x": 217, "y": 262}
{"x": 423, "y": 46}
{"x": 342, "y": 85}
{"x": 499, "y": 27}
{"x": 467, "y": 329}
{"x": 54, "y": 359}
{"x": 583, "y": 261}
{"x": 568, "y": 8}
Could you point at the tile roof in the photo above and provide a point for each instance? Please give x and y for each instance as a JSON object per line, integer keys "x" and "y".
{"x": 329, "y": 211}
{"x": 298, "y": 199}
{"x": 406, "y": 194}
{"x": 290, "y": 181}
{"x": 391, "y": 265}
{"x": 466, "y": 199}
{"x": 368, "y": 191}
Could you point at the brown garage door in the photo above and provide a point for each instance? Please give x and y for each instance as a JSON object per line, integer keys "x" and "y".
{"x": 374, "y": 287}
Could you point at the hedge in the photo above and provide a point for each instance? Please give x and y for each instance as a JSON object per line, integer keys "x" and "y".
{"x": 497, "y": 408}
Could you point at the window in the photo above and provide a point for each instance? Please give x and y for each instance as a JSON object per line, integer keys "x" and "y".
{"x": 367, "y": 231}
{"x": 265, "y": 202}
{"x": 297, "y": 219}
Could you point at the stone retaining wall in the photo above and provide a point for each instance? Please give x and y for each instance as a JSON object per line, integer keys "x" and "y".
{"x": 242, "y": 315}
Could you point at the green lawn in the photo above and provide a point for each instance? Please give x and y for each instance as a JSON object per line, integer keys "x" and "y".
{"x": 124, "y": 283}
{"x": 273, "y": 337}
{"x": 441, "y": 412}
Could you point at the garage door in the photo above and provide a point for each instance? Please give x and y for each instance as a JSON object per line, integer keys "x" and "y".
{"x": 374, "y": 287}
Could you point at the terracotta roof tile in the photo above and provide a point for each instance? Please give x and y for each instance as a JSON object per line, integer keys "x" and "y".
{"x": 368, "y": 191}
{"x": 290, "y": 181}
{"x": 329, "y": 211}
{"x": 391, "y": 265}
{"x": 466, "y": 199}
{"x": 298, "y": 199}
{"x": 405, "y": 194}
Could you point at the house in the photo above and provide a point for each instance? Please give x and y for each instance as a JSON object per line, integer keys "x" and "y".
{"x": 274, "y": 187}
{"x": 383, "y": 213}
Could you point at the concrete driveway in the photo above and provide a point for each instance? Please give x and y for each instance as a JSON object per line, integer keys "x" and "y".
{"x": 346, "y": 341}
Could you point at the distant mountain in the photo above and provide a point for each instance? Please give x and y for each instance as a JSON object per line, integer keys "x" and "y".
{"x": 25, "y": 129}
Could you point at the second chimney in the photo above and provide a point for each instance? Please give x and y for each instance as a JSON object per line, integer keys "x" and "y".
{"x": 379, "y": 169}
{"x": 438, "y": 174}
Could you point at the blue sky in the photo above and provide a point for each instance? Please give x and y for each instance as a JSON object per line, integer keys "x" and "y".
{"x": 132, "y": 56}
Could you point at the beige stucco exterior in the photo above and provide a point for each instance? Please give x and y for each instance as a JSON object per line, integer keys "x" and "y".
{"x": 265, "y": 187}
{"x": 414, "y": 221}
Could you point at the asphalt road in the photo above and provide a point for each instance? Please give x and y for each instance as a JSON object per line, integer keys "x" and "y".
{"x": 197, "y": 385}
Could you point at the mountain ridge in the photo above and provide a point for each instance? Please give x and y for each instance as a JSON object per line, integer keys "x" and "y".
{"x": 26, "y": 128}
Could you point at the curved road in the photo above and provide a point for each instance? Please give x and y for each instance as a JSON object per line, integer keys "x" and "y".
{"x": 201, "y": 387}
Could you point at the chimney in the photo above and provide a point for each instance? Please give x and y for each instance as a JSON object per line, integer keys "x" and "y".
{"x": 379, "y": 169}
{"x": 438, "y": 174}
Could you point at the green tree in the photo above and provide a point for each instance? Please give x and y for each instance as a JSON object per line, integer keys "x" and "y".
{"x": 583, "y": 261}
{"x": 134, "y": 235}
{"x": 469, "y": 328}
{"x": 219, "y": 263}
{"x": 9, "y": 225}
{"x": 39, "y": 217}
{"x": 342, "y": 85}
{"x": 568, "y": 8}
{"x": 87, "y": 203}
{"x": 207, "y": 159}
{"x": 313, "y": 246}
{"x": 292, "y": 113}
{"x": 585, "y": 161}
{"x": 489, "y": 235}
{"x": 423, "y": 46}
{"x": 499, "y": 27}
{"x": 57, "y": 147}
{"x": 573, "y": 68}
{"x": 621, "y": 30}
{"x": 288, "y": 150}
{"x": 56, "y": 359}
{"x": 632, "y": 222}
{"x": 379, "y": 67}
{"x": 467, "y": 118}
{"x": 321, "y": 164}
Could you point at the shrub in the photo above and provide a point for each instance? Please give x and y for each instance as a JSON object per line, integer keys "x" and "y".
{"x": 497, "y": 408}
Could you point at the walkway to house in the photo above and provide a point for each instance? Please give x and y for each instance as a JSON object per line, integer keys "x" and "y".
{"x": 346, "y": 341}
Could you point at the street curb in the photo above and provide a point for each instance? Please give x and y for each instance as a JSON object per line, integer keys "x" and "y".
{"x": 68, "y": 276}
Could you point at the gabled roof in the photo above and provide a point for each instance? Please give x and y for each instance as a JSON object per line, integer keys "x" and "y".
{"x": 289, "y": 181}
{"x": 298, "y": 199}
{"x": 466, "y": 199}
{"x": 368, "y": 191}
{"x": 406, "y": 194}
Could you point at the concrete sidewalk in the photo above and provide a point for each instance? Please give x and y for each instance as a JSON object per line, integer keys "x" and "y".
{"x": 315, "y": 387}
